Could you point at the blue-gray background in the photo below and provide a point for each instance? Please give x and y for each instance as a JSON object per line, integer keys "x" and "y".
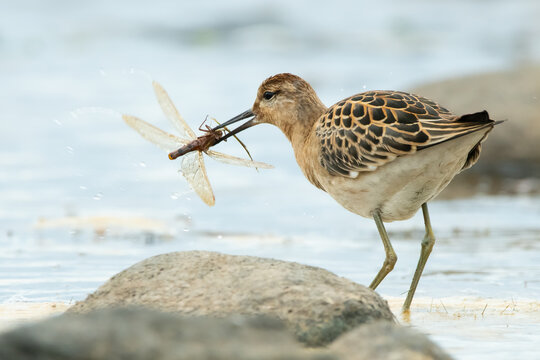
{"x": 68, "y": 69}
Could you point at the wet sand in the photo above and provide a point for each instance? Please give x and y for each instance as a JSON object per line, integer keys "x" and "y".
{"x": 473, "y": 328}
{"x": 15, "y": 314}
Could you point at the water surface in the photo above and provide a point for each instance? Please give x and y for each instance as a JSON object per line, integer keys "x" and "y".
{"x": 82, "y": 196}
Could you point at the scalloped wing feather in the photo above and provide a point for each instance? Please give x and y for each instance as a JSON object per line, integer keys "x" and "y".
{"x": 368, "y": 130}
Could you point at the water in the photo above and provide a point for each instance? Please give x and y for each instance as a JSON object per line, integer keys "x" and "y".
{"x": 494, "y": 256}
{"x": 480, "y": 290}
{"x": 82, "y": 196}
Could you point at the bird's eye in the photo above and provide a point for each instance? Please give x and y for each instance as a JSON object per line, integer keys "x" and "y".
{"x": 268, "y": 95}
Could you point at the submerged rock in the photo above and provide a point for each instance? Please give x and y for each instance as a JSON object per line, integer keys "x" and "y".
{"x": 135, "y": 334}
{"x": 386, "y": 341}
{"x": 316, "y": 305}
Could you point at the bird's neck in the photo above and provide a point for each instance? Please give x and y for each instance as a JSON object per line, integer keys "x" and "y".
{"x": 299, "y": 130}
{"x": 304, "y": 142}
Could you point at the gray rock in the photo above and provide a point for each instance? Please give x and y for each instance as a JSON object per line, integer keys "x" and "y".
{"x": 510, "y": 153}
{"x": 315, "y": 304}
{"x": 139, "y": 334}
{"x": 386, "y": 341}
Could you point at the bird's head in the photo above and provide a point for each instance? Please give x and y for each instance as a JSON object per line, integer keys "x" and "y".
{"x": 286, "y": 101}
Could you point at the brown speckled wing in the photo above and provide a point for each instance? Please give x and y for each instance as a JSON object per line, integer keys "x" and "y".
{"x": 371, "y": 129}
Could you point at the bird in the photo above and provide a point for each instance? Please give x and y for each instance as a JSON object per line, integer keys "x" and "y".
{"x": 380, "y": 154}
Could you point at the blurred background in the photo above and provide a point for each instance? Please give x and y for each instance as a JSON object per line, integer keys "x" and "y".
{"x": 82, "y": 196}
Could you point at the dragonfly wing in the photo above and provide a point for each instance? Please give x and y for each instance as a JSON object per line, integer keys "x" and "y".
{"x": 233, "y": 160}
{"x": 194, "y": 171}
{"x": 164, "y": 140}
{"x": 171, "y": 113}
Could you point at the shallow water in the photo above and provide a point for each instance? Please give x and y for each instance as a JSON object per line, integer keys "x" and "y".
{"x": 82, "y": 196}
{"x": 491, "y": 257}
{"x": 479, "y": 296}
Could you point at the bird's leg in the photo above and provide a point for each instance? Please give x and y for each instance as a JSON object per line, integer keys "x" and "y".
{"x": 427, "y": 246}
{"x": 391, "y": 257}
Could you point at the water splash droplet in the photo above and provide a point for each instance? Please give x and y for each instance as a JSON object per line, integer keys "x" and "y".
{"x": 82, "y": 187}
{"x": 220, "y": 237}
{"x": 98, "y": 196}
{"x": 175, "y": 196}
{"x": 69, "y": 149}
{"x": 102, "y": 72}
{"x": 57, "y": 122}
{"x": 142, "y": 164}
{"x": 186, "y": 230}
{"x": 364, "y": 87}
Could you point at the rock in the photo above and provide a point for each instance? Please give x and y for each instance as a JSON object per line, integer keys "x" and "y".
{"x": 144, "y": 334}
{"x": 386, "y": 341}
{"x": 508, "y": 155}
{"x": 315, "y": 304}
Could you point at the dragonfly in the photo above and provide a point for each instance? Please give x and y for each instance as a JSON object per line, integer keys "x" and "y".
{"x": 187, "y": 145}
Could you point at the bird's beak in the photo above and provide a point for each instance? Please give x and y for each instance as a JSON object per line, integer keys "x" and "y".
{"x": 245, "y": 115}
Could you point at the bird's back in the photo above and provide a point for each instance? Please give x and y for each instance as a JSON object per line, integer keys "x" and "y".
{"x": 368, "y": 130}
